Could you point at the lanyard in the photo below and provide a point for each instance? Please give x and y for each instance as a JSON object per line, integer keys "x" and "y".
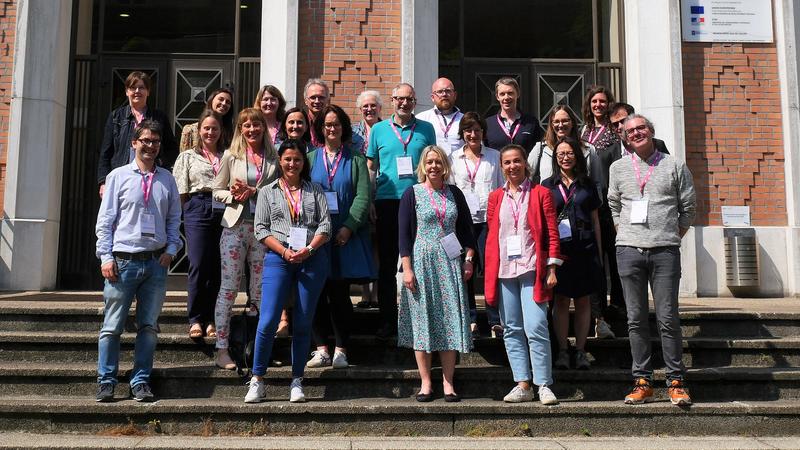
{"x": 516, "y": 207}
{"x": 367, "y": 129}
{"x": 295, "y": 207}
{"x": 513, "y": 133}
{"x": 331, "y": 171}
{"x": 639, "y": 179}
{"x": 400, "y": 137}
{"x": 564, "y": 193}
{"x": 314, "y": 141}
{"x": 440, "y": 213}
{"x": 147, "y": 185}
{"x": 446, "y": 128}
{"x": 593, "y": 137}
{"x": 214, "y": 161}
{"x": 259, "y": 167}
{"x": 472, "y": 175}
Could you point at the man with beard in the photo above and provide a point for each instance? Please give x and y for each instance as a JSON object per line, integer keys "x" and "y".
{"x": 444, "y": 116}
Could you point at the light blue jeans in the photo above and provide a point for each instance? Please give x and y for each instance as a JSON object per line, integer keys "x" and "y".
{"x": 525, "y": 332}
{"x": 147, "y": 281}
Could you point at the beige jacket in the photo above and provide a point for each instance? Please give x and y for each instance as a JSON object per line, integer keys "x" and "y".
{"x": 230, "y": 170}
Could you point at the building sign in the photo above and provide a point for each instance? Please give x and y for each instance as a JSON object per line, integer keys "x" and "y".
{"x": 736, "y": 216}
{"x": 726, "y": 20}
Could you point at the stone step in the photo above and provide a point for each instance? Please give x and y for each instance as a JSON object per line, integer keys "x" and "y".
{"x": 357, "y": 382}
{"x": 81, "y": 347}
{"x": 392, "y": 417}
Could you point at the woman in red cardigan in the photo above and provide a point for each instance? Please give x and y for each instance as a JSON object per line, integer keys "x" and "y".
{"x": 521, "y": 257}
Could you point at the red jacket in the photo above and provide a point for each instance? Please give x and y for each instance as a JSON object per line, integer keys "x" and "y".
{"x": 541, "y": 216}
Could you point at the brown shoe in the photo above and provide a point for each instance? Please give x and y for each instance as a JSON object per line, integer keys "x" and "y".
{"x": 642, "y": 393}
{"x": 283, "y": 329}
{"x": 678, "y": 394}
{"x": 195, "y": 331}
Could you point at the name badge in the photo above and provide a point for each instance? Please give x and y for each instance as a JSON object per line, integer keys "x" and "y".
{"x": 148, "y": 225}
{"x": 639, "y": 211}
{"x": 514, "y": 246}
{"x": 217, "y": 205}
{"x": 451, "y": 246}
{"x": 473, "y": 202}
{"x": 333, "y": 202}
{"x": 404, "y": 167}
{"x": 564, "y": 230}
{"x": 298, "y": 237}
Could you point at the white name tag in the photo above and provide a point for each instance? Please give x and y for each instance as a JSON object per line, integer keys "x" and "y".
{"x": 639, "y": 211}
{"x": 514, "y": 246}
{"x": 148, "y": 225}
{"x": 564, "y": 230}
{"x": 298, "y": 237}
{"x": 473, "y": 202}
{"x": 217, "y": 205}
{"x": 405, "y": 168}
{"x": 333, "y": 202}
{"x": 451, "y": 246}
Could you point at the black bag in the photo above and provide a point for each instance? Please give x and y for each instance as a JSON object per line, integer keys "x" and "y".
{"x": 242, "y": 340}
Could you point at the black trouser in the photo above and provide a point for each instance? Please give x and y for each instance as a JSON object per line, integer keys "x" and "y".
{"x": 201, "y": 224}
{"x": 388, "y": 252}
{"x": 334, "y": 314}
{"x": 609, "y": 236}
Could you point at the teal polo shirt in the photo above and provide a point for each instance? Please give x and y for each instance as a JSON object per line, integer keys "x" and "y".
{"x": 384, "y": 147}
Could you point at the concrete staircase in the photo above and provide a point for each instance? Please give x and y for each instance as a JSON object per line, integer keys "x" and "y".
{"x": 744, "y": 376}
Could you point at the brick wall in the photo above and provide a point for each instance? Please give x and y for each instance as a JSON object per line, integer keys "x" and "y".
{"x": 8, "y": 23}
{"x": 734, "y": 141}
{"x": 351, "y": 44}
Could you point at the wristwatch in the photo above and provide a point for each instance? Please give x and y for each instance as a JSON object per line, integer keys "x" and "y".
{"x": 310, "y": 249}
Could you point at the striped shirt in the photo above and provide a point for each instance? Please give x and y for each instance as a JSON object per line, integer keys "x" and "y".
{"x": 273, "y": 217}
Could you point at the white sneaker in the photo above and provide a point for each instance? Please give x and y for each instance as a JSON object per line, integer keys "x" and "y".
{"x": 340, "y": 360}
{"x": 296, "y": 394}
{"x": 519, "y": 395}
{"x": 603, "y": 331}
{"x": 546, "y": 396}
{"x": 319, "y": 358}
{"x": 257, "y": 392}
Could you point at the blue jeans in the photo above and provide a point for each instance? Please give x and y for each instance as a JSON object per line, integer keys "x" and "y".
{"x": 525, "y": 331}
{"x": 278, "y": 278}
{"x": 147, "y": 281}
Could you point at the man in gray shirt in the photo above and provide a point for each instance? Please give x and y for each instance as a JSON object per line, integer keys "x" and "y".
{"x": 652, "y": 202}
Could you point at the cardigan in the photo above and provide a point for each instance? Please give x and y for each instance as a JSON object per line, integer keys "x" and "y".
{"x": 541, "y": 217}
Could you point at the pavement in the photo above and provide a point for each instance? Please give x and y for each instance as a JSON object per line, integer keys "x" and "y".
{"x": 74, "y": 441}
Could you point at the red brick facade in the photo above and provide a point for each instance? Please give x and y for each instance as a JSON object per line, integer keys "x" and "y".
{"x": 351, "y": 44}
{"x": 734, "y": 142}
{"x": 8, "y": 24}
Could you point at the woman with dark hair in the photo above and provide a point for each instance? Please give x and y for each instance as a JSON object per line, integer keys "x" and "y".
{"x": 576, "y": 201}
{"x": 292, "y": 221}
{"x": 596, "y": 124}
{"x": 295, "y": 126}
{"x": 475, "y": 169}
{"x": 220, "y": 101}
{"x": 115, "y": 150}
{"x": 340, "y": 168}
{"x": 194, "y": 173}
{"x": 271, "y": 102}
{"x": 249, "y": 164}
{"x": 509, "y": 125}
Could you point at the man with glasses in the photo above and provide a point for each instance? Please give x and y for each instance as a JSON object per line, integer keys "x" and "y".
{"x": 316, "y": 96}
{"x": 652, "y": 201}
{"x": 444, "y": 116}
{"x": 394, "y": 150}
{"x": 137, "y": 239}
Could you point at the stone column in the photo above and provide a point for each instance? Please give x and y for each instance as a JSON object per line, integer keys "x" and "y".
{"x": 29, "y": 232}
{"x": 279, "y": 47}
{"x": 419, "y": 64}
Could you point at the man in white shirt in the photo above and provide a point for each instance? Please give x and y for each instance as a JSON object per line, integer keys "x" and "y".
{"x": 444, "y": 116}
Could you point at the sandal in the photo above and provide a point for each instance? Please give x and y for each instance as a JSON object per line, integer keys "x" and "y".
{"x": 195, "y": 331}
{"x": 211, "y": 331}
{"x": 283, "y": 329}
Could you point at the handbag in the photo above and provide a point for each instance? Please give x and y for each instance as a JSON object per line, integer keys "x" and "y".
{"x": 242, "y": 340}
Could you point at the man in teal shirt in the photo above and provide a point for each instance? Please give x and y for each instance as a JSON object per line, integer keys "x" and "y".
{"x": 395, "y": 146}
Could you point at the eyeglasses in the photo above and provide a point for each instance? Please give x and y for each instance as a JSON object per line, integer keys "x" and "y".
{"x": 150, "y": 142}
{"x": 332, "y": 125}
{"x": 563, "y": 156}
{"x": 562, "y": 122}
{"x": 368, "y": 107}
{"x": 137, "y": 88}
{"x": 617, "y": 124}
{"x": 317, "y": 98}
{"x": 640, "y": 129}
{"x": 443, "y": 92}
{"x": 404, "y": 99}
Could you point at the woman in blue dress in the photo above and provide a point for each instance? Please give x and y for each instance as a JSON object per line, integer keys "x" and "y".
{"x": 340, "y": 168}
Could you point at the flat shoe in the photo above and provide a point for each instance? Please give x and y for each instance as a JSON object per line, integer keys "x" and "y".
{"x": 211, "y": 331}
{"x": 452, "y": 398}
{"x": 195, "y": 331}
{"x": 424, "y": 398}
{"x": 283, "y": 329}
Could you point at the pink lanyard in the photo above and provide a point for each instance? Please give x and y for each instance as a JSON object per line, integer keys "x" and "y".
{"x": 440, "y": 214}
{"x": 639, "y": 179}
{"x": 472, "y": 175}
{"x": 332, "y": 171}
{"x": 593, "y": 137}
{"x": 214, "y": 161}
{"x": 147, "y": 185}
{"x": 506, "y": 130}
{"x": 259, "y": 168}
{"x": 295, "y": 207}
{"x": 446, "y": 128}
{"x": 400, "y": 137}
{"x": 516, "y": 207}
{"x": 564, "y": 193}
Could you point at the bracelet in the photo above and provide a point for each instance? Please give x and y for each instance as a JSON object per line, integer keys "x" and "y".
{"x": 283, "y": 256}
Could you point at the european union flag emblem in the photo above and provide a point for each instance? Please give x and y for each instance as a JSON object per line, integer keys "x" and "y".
{"x": 694, "y": 19}
{"x": 698, "y": 10}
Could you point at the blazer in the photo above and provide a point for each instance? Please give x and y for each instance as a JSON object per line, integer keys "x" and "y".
{"x": 541, "y": 217}
{"x": 232, "y": 168}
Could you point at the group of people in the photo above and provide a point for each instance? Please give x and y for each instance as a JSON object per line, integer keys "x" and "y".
{"x": 284, "y": 199}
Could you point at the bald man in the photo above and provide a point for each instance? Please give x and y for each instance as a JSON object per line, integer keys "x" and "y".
{"x": 444, "y": 116}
